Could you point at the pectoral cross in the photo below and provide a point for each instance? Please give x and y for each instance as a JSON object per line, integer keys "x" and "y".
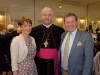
{"x": 46, "y": 43}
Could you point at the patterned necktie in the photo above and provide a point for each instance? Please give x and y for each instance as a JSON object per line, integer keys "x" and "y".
{"x": 65, "y": 56}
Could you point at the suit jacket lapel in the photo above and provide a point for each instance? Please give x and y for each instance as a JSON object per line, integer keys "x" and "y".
{"x": 76, "y": 39}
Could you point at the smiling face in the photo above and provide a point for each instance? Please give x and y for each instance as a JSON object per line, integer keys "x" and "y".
{"x": 25, "y": 25}
{"x": 47, "y": 15}
{"x": 26, "y": 28}
{"x": 70, "y": 23}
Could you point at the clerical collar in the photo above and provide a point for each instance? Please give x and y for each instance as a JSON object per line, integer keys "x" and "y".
{"x": 47, "y": 26}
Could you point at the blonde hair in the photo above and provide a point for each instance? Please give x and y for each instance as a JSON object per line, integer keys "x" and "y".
{"x": 10, "y": 27}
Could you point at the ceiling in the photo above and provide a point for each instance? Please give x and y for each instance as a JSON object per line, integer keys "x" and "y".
{"x": 82, "y": 2}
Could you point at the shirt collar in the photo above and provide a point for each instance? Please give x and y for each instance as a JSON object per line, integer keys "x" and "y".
{"x": 74, "y": 32}
{"x": 47, "y": 26}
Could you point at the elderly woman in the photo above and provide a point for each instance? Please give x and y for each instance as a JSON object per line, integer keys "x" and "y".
{"x": 8, "y": 37}
{"x": 9, "y": 34}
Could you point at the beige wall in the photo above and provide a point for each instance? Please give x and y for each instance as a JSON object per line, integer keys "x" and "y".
{"x": 16, "y": 9}
{"x": 66, "y": 8}
{"x": 32, "y": 8}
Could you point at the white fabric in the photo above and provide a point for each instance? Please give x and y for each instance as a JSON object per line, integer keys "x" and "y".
{"x": 19, "y": 50}
{"x": 47, "y": 26}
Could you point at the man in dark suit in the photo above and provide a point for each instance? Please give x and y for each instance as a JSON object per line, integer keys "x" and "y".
{"x": 4, "y": 55}
{"x": 80, "y": 49}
